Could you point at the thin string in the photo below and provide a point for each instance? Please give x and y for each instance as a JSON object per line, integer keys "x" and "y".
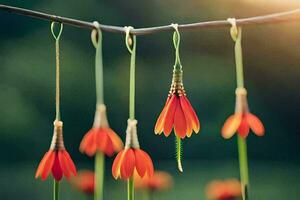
{"x": 57, "y": 81}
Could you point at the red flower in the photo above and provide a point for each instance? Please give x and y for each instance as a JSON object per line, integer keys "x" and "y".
{"x": 101, "y": 137}
{"x": 177, "y": 112}
{"x": 57, "y": 160}
{"x": 84, "y": 181}
{"x": 159, "y": 181}
{"x": 224, "y": 190}
{"x": 242, "y": 121}
{"x": 129, "y": 160}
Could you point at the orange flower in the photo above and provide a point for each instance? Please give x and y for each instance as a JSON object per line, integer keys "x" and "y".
{"x": 159, "y": 181}
{"x": 242, "y": 121}
{"x": 100, "y": 137}
{"x": 224, "y": 190}
{"x": 57, "y": 160}
{"x": 84, "y": 181}
{"x": 132, "y": 159}
{"x": 177, "y": 112}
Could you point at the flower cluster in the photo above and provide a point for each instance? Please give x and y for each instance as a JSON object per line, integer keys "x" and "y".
{"x": 100, "y": 137}
{"x": 178, "y": 112}
{"x": 132, "y": 158}
{"x": 242, "y": 120}
{"x": 57, "y": 160}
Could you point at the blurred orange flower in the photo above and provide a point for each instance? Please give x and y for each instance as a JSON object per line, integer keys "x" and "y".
{"x": 224, "y": 190}
{"x": 129, "y": 160}
{"x": 57, "y": 160}
{"x": 159, "y": 181}
{"x": 177, "y": 112}
{"x": 84, "y": 181}
{"x": 100, "y": 137}
{"x": 242, "y": 121}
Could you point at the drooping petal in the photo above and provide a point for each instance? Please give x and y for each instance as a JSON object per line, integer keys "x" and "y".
{"x": 188, "y": 118}
{"x": 117, "y": 164}
{"x": 255, "y": 124}
{"x": 116, "y": 140}
{"x": 188, "y": 108}
{"x": 169, "y": 118}
{"x": 101, "y": 139}
{"x": 88, "y": 144}
{"x": 56, "y": 169}
{"x": 180, "y": 126}
{"x": 63, "y": 164}
{"x": 243, "y": 129}
{"x": 149, "y": 164}
{"x": 231, "y": 125}
{"x": 140, "y": 159}
{"x": 70, "y": 163}
{"x": 48, "y": 165}
{"x": 45, "y": 165}
{"x": 128, "y": 164}
{"x": 159, "y": 126}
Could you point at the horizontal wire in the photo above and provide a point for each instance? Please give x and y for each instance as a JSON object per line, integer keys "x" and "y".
{"x": 263, "y": 19}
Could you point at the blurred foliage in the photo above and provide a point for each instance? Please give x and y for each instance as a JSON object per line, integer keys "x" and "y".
{"x": 271, "y": 56}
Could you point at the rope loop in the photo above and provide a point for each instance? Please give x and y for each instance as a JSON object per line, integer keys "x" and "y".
{"x": 128, "y": 38}
{"x": 96, "y": 34}
{"x": 56, "y": 36}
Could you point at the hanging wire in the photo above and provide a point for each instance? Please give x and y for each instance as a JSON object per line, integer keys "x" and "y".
{"x": 279, "y": 17}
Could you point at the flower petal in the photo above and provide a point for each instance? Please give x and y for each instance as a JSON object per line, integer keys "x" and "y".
{"x": 63, "y": 164}
{"x": 180, "y": 126}
{"x": 45, "y": 165}
{"x": 243, "y": 129}
{"x": 116, "y": 140}
{"x": 87, "y": 144}
{"x": 149, "y": 163}
{"x": 159, "y": 126}
{"x": 255, "y": 124}
{"x": 48, "y": 165}
{"x": 231, "y": 125}
{"x": 169, "y": 118}
{"x": 56, "y": 169}
{"x": 117, "y": 164}
{"x": 189, "y": 110}
{"x": 69, "y": 163}
{"x": 128, "y": 164}
{"x": 140, "y": 162}
{"x": 188, "y": 118}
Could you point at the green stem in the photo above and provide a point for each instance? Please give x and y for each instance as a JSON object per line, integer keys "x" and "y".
{"x": 55, "y": 190}
{"x": 130, "y": 189}
{"x": 243, "y": 161}
{"x": 178, "y": 153}
{"x": 132, "y": 81}
{"x": 98, "y": 67}
{"x": 239, "y": 59}
{"x": 99, "y": 175}
{"x": 132, "y": 51}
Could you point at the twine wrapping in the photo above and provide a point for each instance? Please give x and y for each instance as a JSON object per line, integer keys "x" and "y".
{"x": 57, "y": 142}
{"x": 100, "y": 119}
{"x": 131, "y": 135}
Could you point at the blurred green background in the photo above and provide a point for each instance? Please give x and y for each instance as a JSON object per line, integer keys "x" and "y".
{"x": 272, "y": 68}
